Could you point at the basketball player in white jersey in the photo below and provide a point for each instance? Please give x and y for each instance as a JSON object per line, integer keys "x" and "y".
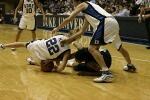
{"x": 41, "y": 50}
{"x": 106, "y": 30}
{"x": 27, "y": 20}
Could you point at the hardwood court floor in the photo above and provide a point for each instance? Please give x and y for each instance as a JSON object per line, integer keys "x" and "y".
{"x": 20, "y": 81}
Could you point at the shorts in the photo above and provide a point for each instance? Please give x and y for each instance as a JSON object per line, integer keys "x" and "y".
{"x": 107, "y": 32}
{"x": 27, "y": 23}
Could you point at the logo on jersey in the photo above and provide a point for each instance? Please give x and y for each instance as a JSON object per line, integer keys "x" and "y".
{"x": 29, "y": 7}
{"x": 96, "y": 42}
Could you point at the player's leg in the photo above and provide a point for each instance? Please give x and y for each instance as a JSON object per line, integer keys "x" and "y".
{"x": 125, "y": 54}
{"x": 22, "y": 25}
{"x": 107, "y": 57}
{"x": 32, "y": 26}
{"x": 18, "y": 35}
{"x": 90, "y": 67}
{"x": 106, "y": 74}
{"x": 87, "y": 69}
{"x": 13, "y": 45}
{"x": 98, "y": 39}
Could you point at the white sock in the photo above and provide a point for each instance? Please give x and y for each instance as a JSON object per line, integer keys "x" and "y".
{"x": 105, "y": 69}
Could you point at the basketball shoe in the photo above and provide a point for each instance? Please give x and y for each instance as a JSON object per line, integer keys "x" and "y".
{"x": 148, "y": 47}
{"x": 1, "y": 47}
{"x": 131, "y": 68}
{"x": 31, "y": 61}
{"x": 106, "y": 77}
{"x": 13, "y": 49}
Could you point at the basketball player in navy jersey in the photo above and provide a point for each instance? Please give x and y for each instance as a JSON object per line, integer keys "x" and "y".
{"x": 27, "y": 20}
{"x": 106, "y": 30}
{"x": 45, "y": 50}
{"x": 85, "y": 62}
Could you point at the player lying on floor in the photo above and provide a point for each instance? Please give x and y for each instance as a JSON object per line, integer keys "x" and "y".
{"x": 41, "y": 50}
{"x": 85, "y": 62}
{"x": 45, "y": 51}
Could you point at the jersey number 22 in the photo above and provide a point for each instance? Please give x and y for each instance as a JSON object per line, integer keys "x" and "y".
{"x": 52, "y": 46}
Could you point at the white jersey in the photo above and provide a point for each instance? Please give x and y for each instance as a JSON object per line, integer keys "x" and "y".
{"x": 94, "y": 14}
{"x": 28, "y": 8}
{"x": 47, "y": 49}
{"x": 146, "y": 3}
{"x": 105, "y": 26}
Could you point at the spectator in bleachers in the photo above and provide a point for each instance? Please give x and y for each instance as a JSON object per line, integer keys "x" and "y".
{"x": 69, "y": 4}
{"x": 93, "y": 1}
{"x": 57, "y": 7}
{"x": 67, "y": 12}
{"x": 70, "y": 10}
{"x": 101, "y": 3}
{"x": 108, "y": 7}
{"x": 45, "y": 6}
{"x": 62, "y": 7}
{"x": 123, "y": 10}
{"x": 51, "y": 5}
{"x": 118, "y": 1}
{"x": 38, "y": 11}
{"x": 134, "y": 9}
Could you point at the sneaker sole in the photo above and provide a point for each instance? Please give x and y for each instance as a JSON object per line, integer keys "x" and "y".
{"x": 107, "y": 80}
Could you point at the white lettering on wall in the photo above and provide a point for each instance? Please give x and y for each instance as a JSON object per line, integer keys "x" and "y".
{"x": 52, "y": 22}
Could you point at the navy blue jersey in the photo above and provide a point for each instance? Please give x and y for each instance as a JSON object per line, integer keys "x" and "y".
{"x": 85, "y": 55}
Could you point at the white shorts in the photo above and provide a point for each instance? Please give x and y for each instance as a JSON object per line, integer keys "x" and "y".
{"x": 111, "y": 32}
{"x": 27, "y": 23}
{"x": 35, "y": 51}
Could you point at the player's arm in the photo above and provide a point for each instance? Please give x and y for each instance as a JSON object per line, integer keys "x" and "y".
{"x": 80, "y": 32}
{"x": 77, "y": 10}
{"x": 16, "y": 10}
{"x": 147, "y": 9}
{"x": 146, "y": 16}
{"x": 64, "y": 61}
{"x": 142, "y": 14}
{"x": 39, "y": 6}
{"x": 77, "y": 45}
{"x": 142, "y": 11}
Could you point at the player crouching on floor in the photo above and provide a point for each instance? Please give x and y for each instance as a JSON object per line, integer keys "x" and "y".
{"x": 43, "y": 52}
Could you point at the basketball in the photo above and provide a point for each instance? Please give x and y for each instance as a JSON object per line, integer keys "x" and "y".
{"x": 47, "y": 67}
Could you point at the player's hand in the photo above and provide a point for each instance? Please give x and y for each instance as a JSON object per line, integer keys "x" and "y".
{"x": 60, "y": 68}
{"x": 54, "y": 30}
{"x": 65, "y": 41}
{"x": 15, "y": 20}
{"x": 140, "y": 20}
{"x": 55, "y": 69}
{"x": 146, "y": 16}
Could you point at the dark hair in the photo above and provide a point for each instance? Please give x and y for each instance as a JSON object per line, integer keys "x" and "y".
{"x": 79, "y": 55}
{"x": 81, "y": 0}
{"x": 121, "y": 4}
{"x": 83, "y": 55}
